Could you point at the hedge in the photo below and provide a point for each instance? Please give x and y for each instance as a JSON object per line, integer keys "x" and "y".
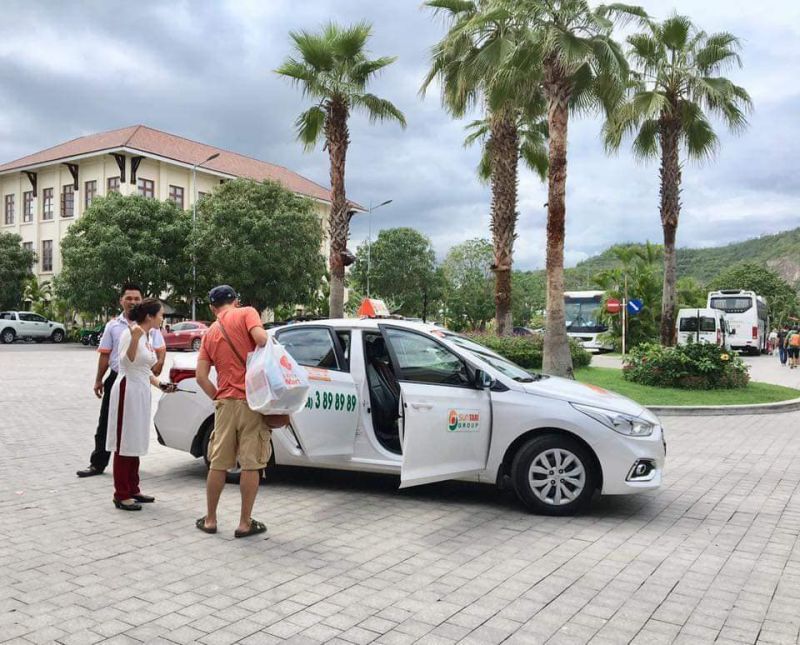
{"x": 526, "y": 351}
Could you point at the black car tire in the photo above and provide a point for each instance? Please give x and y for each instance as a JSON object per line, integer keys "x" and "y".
{"x": 58, "y": 336}
{"x": 8, "y": 336}
{"x": 542, "y": 447}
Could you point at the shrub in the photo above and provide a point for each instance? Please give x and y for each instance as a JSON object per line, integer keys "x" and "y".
{"x": 526, "y": 351}
{"x": 696, "y": 366}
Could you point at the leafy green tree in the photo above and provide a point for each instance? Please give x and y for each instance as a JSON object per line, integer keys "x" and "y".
{"x": 120, "y": 239}
{"x": 333, "y": 69}
{"x": 781, "y": 297}
{"x": 403, "y": 269}
{"x": 263, "y": 240}
{"x": 530, "y": 297}
{"x": 678, "y": 83}
{"x": 469, "y": 284}
{"x": 485, "y": 59}
{"x": 690, "y": 293}
{"x": 16, "y": 264}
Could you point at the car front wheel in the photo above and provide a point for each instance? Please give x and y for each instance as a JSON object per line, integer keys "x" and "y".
{"x": 554, "y": 475}
{"x": 58, "y": 336}
{"x": 7, "y": 336}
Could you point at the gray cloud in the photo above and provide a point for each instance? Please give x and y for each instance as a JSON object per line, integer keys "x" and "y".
{"x": 204, "y": 70}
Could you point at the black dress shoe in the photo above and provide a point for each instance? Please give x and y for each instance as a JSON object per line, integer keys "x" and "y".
{"x": 91, "y": 471}
{"x": 127, "y": 507}
{"x": 144, "y": 499}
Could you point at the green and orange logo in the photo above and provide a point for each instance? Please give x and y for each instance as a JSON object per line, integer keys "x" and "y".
{"x": 452, "y": 421}
{"x": 463, "y": 421}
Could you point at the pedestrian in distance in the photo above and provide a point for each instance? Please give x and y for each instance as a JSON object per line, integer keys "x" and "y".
{"x": 128, "y": 434}
{"x": 772, "y": 341}
{"x": 793, "y": 342}
{"x": 782, "y": 354}
{"x": 108, "y": 359}
{"x": 240, "y": 434}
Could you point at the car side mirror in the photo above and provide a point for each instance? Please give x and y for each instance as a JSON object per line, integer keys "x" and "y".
{"x": 482, "y": 380}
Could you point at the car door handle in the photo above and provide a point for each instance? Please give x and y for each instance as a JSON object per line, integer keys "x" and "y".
{"x": 422, "y": 406}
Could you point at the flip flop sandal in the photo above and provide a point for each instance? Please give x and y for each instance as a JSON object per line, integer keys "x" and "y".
{"x": 201, "y": 524}
{"x": 256, "y": 527}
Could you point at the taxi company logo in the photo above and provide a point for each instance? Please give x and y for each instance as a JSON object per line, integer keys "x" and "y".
{"x": 464, "y": 421}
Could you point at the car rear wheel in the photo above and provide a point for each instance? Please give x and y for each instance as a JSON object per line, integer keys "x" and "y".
{"x": 7, "y": 336}
{"x": 58, "y": 336}
{"x": 196, "y": 344}
{"x": 554, "y": 475}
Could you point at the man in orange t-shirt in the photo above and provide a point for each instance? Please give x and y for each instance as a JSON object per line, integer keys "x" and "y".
{"x": 240, "y": 435}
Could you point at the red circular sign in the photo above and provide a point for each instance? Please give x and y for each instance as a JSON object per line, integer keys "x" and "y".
{"x": 613, "y": 306}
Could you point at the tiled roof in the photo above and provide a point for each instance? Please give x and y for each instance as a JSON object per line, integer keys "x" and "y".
{"x": 163, "y": 144}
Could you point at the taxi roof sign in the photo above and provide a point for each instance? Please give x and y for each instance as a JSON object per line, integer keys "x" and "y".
{"x": 372, "y": 308}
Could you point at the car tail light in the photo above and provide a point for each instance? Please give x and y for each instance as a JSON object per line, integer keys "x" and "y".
{"x": 178, "y": 374}
{"x": 755, "y": 332}
{"x": 719, "y": 337}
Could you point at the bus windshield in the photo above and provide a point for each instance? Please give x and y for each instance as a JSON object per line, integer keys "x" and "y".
{"x": 582, "y": 314}
{"x": 732, "y": 304}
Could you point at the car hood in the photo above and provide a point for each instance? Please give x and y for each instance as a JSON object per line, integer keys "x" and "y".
{"x": 564, "y": 389}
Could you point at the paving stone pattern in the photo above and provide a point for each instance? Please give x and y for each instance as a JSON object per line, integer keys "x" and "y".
{"x": 711, "y": 557}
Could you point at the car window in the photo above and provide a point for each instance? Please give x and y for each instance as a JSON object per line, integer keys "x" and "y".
{"x": 28, "y": 317}
{"x": 6, "y": 315}
{"x": 178, "y": 327}
{"x": 310, "y": 347}
{"x": 504, "y": 366}
{"x": 37, "y": 318}
{"x": 423, "y": 360}
{"x": 690, "y": 324}
{"x": 344, "y": 341}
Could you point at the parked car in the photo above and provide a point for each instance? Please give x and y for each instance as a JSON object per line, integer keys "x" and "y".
{"x": 703, "y": 326}
{"x": 419, "y": 401}
{"x": 185, "y": 335}
{"x": 18, "y": 325}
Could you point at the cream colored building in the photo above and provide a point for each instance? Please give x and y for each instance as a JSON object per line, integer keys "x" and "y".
{"x": 42, "y": 194}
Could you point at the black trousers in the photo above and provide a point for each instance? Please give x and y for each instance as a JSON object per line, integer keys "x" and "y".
{"x": 100, "y": 455}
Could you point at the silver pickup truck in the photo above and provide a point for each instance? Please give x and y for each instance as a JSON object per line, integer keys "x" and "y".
{"x": 16, "y": 325}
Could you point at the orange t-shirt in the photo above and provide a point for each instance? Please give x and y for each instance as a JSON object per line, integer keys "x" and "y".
{"x": 216, "y": 350}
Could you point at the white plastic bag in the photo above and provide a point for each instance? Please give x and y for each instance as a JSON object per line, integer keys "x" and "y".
{"x": 274, "y": 382}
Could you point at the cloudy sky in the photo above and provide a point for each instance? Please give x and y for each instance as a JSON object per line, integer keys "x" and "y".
{"x": 203, "y": 70}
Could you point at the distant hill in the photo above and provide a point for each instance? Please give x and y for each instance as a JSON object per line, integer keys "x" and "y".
{"x": 779, "y": 252}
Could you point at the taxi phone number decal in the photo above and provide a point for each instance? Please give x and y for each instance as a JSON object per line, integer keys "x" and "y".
{"x": 332, "y": 401}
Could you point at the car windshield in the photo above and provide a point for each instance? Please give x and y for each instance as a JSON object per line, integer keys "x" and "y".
{"x": 502, "y": 365}
{"x": 582, "y": 314}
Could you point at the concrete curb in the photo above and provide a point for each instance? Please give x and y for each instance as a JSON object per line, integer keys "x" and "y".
{"x": 724, "y": 410}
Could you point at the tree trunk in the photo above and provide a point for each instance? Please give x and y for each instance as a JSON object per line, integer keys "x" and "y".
{"x": 670, "y": 210}
{"x": 557, "y": 359}
{"x": 337, "y": 140}
{"x": 504, "y": 154}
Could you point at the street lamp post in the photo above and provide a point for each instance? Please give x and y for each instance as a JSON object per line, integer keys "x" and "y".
{"x": 369, "y": 238}
{"x": 194, "y": 223}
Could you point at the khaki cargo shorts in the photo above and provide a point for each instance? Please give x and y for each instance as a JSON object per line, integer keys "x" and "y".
{"x": 239, "y": 435}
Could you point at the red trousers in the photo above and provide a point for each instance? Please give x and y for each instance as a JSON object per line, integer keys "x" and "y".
{"x": 126, "y": 469}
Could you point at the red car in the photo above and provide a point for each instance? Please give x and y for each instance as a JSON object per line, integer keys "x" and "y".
{"x": 185, "y": 335}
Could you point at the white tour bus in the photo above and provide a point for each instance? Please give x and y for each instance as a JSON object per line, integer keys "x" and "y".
{"x": 582, "y": 312}
{"x": 747, "y": 316}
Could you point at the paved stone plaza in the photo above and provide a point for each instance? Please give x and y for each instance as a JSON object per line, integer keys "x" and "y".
{"x": 713, "y": 556}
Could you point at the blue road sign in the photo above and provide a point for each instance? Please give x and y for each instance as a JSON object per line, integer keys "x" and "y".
{"x": 635, "y": 306}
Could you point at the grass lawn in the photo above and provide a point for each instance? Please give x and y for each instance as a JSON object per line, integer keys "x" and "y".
{"x": 611, "y": 379}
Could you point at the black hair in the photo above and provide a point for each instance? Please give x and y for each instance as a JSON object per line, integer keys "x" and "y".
{"x": 147, "y": 307}
{"x": 130, "y": 286}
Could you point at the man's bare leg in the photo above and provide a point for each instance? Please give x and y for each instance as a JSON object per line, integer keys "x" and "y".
{"x": 248, "y": 485}
{"x": 215, "y": 482}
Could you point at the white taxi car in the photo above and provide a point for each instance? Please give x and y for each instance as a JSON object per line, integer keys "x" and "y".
{"x": 429, "y": 405}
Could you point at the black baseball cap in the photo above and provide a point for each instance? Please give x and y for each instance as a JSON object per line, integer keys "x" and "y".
{"x": 222, "y": 294}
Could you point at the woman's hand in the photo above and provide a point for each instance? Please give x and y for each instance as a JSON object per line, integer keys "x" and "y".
{"x": 136, "y": 331}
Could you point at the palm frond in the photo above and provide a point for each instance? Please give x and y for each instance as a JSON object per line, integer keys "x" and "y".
{"x": 624, "y": 14}
{"x": 675, "y": 32}
{"x": 645, "y": 144}
{"x": 313, "y": 49}
{"x": 378, "y": 109}
{"x": 454, "y": 7}
{"x": 347, "y": 43}
{"x": 533, "y": 149}
{"x": 699, "y": 137}
{"x": 310, "y": 126}
{"x": 362, "y": 71}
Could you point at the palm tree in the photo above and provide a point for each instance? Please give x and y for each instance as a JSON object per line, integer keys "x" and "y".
{"x": 484, "y": 59}
{"x": 678, "y": 81}
{"x": 332, "y": 67}
{"x": 583, "y": 69}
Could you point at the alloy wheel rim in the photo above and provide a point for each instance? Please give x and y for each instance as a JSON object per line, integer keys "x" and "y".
{"x": 557, "y": 477}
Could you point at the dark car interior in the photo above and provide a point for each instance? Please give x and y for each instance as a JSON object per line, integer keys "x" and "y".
{"x": 384, "y": 392}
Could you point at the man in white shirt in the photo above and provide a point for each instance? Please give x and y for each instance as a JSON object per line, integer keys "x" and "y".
{"x": 130, "y": 295}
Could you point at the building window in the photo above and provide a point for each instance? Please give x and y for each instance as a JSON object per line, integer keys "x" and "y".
{"x": 147, "y": 188}
{"x": 112, "y": 185}
{"x": 9, "y": 210}
{"x": 90, "y": 193}
{"x": 47, "y": 203}
{"x": 28, "y": 246}
{"x": 27, "y": 206}
{"x": 47, "y": 255}
{"x": 68, "y": 201}
{"x": 176, "y": 196}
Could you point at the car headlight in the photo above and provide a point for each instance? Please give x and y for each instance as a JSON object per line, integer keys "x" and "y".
{"x": 617, "y": 421}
